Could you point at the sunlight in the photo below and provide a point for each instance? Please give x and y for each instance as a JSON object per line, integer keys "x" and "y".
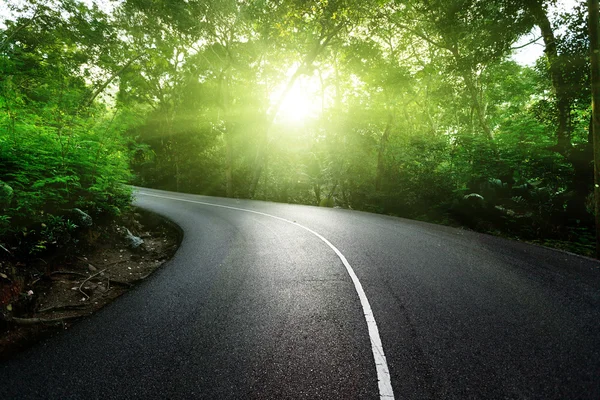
{"x": 303, "y": 101}
{"x": 529, "y": 54}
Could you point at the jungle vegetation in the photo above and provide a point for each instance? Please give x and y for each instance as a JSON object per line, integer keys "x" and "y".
{"x": 412, "y": 108}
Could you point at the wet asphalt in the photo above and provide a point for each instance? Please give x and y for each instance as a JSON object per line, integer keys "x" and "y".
{"x": 252, "y": 307}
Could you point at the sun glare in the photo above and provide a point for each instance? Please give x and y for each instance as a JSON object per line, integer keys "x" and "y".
{"x": 302, "y": 102}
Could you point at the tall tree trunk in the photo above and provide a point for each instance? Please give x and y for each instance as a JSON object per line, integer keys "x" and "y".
{"x": 479, "y": 110}
{"x": 305, "y": 66}
{"x": 332, "y": 193}
{"x": 580, "y": 159}
{"x": 228, "y": 131}
{"x": 381, "y": 153}
{"x": 266, "y": 176}
{"x": 171, "y": 144}
{"x": 317, "y": 190}
{"x": 476, "y": 105}
{"x": 228, "y": 165}
{"x": 563, "y": 103}
{"x": 107, "y": 82}
{"x": 262, "y": 146}
{"x": 177, "y": 174}
{"x": 594, "y": 32}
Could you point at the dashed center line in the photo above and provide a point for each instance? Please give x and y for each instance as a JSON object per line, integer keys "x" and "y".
{"x": 383, "y": 373}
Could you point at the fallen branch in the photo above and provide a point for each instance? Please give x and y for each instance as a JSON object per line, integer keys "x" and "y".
{"x": 132, "y": 282}
{"x": 121, "y": 283}
{"x": 5, "y": 249}
{"x": 87, "y": 279}
{"x": 67, "y": 273}
{"x": 35, "y": 321}
{"x": 114, "y": 263}
{"x": 105, "y": 265}
{"x": 65, "y": 307}
{"x": 145, "y": 276}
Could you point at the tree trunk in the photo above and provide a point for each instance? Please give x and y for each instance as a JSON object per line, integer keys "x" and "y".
{"x": 580, "y": 159}
{"x": 266, "y": 175}
{"x": 306, "y": 65}
{"x": 563, "y": 132}
{"x": 381, "y": 153}
{"x": 317, "y": 190}
{"x": 594, "y": 32}
{"x": 229, "y": 166}
{"x": 332, "y": 193}
{"x": 104, "y": 85}
{"x": 475, "y": 103}
{"x": 478, "y": 108}
{"x": 224, "y": 93}
{"x": 262, "y": 146}
{"x": 177, "y": 174}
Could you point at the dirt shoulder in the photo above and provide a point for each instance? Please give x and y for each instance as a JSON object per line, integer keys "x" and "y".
{"x": 43, "y": 296}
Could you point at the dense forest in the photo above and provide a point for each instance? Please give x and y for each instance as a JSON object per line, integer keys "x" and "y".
{"x": 411, "y": 108}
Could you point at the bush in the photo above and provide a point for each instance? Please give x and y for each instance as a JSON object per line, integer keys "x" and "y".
{"x": 47, "y": 170}
{"x": 326, "y": 202}
{"x": 41, "y": 183}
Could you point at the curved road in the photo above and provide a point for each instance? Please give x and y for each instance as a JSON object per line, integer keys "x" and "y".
{"x": 259, "y": 305}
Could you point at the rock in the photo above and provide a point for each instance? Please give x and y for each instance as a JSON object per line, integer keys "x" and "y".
{"x": 92, "y": 268}
{"x": 474, "y": 197}
{"x": 83, "y": 218}
{"x": 6, "y": 194}
{"x": 473, "y": 202}
{"x": 134, "y": 241}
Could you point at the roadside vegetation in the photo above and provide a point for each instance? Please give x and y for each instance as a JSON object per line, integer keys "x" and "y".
{"x": 410, "y": 108}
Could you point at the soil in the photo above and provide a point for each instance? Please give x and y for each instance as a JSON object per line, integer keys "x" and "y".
{"x": 57, "y": 290}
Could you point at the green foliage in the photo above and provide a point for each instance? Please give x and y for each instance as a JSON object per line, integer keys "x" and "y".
{"x": 409, "y": 108}
{"x": 420, "y": 109}
{"x": 58, "y": 151}
{"x": 326, "y": 202}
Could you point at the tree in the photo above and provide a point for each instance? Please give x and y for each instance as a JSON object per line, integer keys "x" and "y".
{"x": 60, "y": 148}
{"x": 594, "y": 32}
{"x": 473, "y": 33}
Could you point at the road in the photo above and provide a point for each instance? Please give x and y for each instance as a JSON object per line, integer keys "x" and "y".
{"x": 259, "y": 302}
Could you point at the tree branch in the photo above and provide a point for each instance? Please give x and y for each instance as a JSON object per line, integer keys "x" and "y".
{"x": 101, "y": 88}
{"x": 88, "y": 278}
{"x": 22, "y": 26}
{"x": 526, "y": 44}
{"x": 35, "y": 321}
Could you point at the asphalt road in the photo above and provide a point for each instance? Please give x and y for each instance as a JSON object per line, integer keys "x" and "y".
{"x": 256, "y": 307}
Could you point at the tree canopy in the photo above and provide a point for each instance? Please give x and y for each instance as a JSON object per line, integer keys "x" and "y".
{"x": 411, "y": 108}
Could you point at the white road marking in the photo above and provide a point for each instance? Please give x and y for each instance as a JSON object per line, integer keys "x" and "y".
{"x": 383, "y": 373}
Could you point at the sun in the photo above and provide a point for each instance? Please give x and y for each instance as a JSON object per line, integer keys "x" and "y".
{"x": 301, "y": 103}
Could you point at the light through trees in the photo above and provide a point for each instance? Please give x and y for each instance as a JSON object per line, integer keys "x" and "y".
{"x": 302, "y": 103}
{"x": 409, "y": 108}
